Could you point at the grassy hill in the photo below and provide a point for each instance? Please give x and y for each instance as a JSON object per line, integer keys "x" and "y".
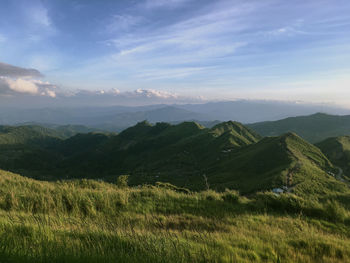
{"x": 286, "y": 160}
{"x": 180, "y": 206}
{"x": 10, "y": 135}
{"x": 39, "y": 133}
{"x": 189, "y": 155}
{"x": 67, "y": 131}
{"x": 229, "y": 155}
{"x": 32, "y": 148}
{"x": 24, "y": 147}
{"x": 337, "y": 149}
{"x": 179, "y": 154}
{"x": 90, "y": 221}
{"x": 313, "y": 128}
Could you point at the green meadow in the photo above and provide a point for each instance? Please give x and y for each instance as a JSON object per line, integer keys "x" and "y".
{"x": 92, "y": 221}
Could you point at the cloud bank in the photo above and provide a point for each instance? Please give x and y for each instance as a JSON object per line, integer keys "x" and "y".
{"x": 23, "y": 87}
{"x": 10, "y": 71}
{"x": 16, "y": 80}
{"x": 112, "y": 97}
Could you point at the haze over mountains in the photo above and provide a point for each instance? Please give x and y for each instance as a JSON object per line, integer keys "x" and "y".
{"x": 117, "y": 118}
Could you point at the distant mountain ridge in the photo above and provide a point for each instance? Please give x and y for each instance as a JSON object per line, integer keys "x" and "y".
{"x": 102, "y": 118}
{"x": 118, "y": 118}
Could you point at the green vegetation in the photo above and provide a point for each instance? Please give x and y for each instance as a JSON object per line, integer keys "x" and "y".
{"x": 313, "y": 128}
{"x": 90, "y": 221}
{"x": 179, "y": 154}
{"x": 177, "y": 193}
{"x": 287, "y": 160}
{"x": 188, "y": 155}
{"x": 36, "y": 134}
{"x": 122, "y": 181}
{"x": 337, "y": 149}
{"x": 26, "y": 135}
{"x": 67, "y": 131}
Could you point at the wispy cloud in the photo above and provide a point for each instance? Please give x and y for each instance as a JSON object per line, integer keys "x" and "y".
{"x": 171, "y": 49}
{"x": 285, "y": 31}
{"x": 153, "y": 4}
{"x": 120, "y": 23}
{"x": 220, "y": 47}
{"x": 175, "y": 73}
{"x": 39, "y": 15}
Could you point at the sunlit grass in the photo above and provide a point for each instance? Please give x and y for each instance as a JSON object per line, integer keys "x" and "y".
{"x": 90, "y": 221}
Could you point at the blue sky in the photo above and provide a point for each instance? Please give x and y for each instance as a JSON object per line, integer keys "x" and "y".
{"x": 223, "y": 49}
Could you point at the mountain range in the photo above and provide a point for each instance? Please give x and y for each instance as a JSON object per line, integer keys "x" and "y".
{"x": 228, "y": 155}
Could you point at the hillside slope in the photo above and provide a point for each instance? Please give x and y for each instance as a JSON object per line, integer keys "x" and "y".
{"x": 226, "y": 156}
{"x": 174, "y": 153}
{"x": 313, "y": 128}
{"x": 32, "y": 148}
{"x": 10, "y": 135}
{"x": 91, "y": 221}
{"x": 337, "y": 149}
{"x": 286, "y": 160}
{"x": 229, "y": 155}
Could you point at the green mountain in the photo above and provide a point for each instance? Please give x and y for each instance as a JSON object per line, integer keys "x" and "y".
{"x": 313, "y": 128}
{"x": 228, "y": 155}
{"x": 11, "y": 135}
{"x": 67, "y": 131}
{"x": 337, "y": 149}
{"x": 25, "y": 147}
{"x": 37, "y": 133}
{"x": 286, "y": 160}
{"x": 64, "y": 131}
{"x": 32, "y": 148}
{"x": 179, "y": 154}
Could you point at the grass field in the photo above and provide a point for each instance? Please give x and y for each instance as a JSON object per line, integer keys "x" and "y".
{"x": 90, "y": 221}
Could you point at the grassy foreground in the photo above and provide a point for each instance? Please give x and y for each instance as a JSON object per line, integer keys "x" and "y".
{"x": 90, "y": 221}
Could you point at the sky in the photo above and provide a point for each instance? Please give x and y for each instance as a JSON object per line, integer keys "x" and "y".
{"x": 164, "y": 51}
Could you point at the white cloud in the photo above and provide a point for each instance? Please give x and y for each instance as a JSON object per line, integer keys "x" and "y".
{"x": 150, "y": 93}
{"x": 138, "y": 93}
{"x": 49, "y": 93}
{"x": 115, "y": 91}
{"x": 15, "y": 80}
{"x": 22, "y": 86}
{"x": 9, "y": 86}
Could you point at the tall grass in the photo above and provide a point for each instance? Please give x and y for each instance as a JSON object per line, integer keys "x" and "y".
{"x": 90, "y": 221}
